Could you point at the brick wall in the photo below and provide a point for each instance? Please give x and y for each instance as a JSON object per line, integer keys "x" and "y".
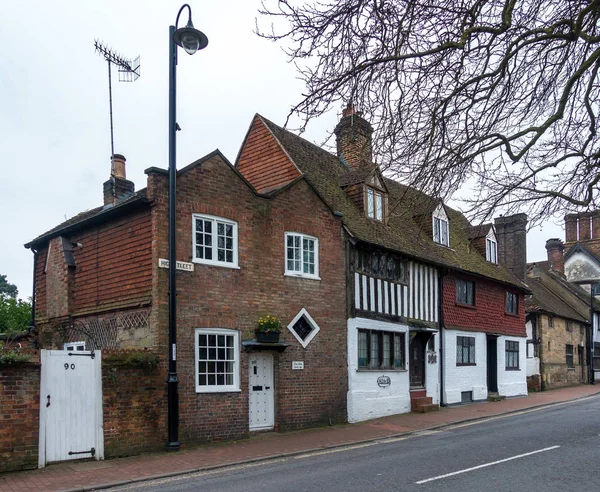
{"x": 134, "y": 406}
{"x": 489, "y": 312}
{"x": 217, "y": 297}
{"x": 19, "y": 416}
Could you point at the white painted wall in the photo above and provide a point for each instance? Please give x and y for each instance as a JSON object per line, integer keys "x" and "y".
{"x": 366, "y": 400}
{"x": 432, "y": 371}
{"x": 464, "y": 378}
{"x": 512, "y": 383}
{"x": 533, "y": 363}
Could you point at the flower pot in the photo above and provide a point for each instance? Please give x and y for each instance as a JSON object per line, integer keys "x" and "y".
{"x": 267, "y": 336}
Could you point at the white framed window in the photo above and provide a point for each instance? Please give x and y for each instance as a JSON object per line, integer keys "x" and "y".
{"x": 374, "y": 204}
{"x": 303, "y": 327}
{"x": 74, "y": 346}
{"x": 441, "y": 229}
{"x": 491, "y": 247}
{"x": 217, "y": 360}
{"x": 215, "y": 241}
{"x": 301, "y": 255}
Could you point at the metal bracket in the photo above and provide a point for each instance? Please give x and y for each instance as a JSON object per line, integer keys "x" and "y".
{"x": 91, "y": 354}
{"x": 91, "y": 451}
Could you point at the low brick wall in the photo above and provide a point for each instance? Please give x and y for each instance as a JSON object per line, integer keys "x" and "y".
{"x": 19, "y": 416}
{"x": 134, "y": 406}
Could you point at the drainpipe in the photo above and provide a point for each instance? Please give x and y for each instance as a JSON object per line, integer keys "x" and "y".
{"x": 441, "y": 323}
{"x": 33, "y": 296}
{"x": 589, "y": 332}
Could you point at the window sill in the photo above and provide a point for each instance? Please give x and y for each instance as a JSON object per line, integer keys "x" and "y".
{"x": 512, "y": 368}
{"x": 467, "y": 306}
{"x": 364, "y": 369}
{"x": 216, "y": 390}
{"x": 466, "y": 365}
{"x": 511, "y": 314}
{"x": 300, "y": 275}
{"x": 215, "y": 264}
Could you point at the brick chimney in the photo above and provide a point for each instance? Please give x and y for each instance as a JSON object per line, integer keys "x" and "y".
{"x": 353, "y": 135}
{"x": 555, "y": 249}
{"x": 511, "y": 233}
{"x": 117, "y": 187}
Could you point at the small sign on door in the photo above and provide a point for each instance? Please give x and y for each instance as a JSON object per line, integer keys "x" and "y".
{"x": 297, "y": 365}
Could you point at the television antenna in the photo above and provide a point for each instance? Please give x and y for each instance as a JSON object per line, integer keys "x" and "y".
{"x": 128, "y": 72}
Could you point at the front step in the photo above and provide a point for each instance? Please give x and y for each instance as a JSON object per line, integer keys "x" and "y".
{"x": 421, "y": 400}
{"x": 494, "y": 396}
{"x": 427, "y": 407}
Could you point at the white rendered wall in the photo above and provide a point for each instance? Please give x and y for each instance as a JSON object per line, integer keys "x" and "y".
{"x": 366, "y": 400}
{"x": 464, "y": 378}
{"x": 512, "y": 383}
{"x": 533, "y": 363}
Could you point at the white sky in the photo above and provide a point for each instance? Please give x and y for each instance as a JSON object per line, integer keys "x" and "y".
{"x": 54, "y": 119}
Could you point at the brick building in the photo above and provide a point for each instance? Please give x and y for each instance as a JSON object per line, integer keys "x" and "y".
{"x": 406, "y": 252}
{"x": 362, "y": 271}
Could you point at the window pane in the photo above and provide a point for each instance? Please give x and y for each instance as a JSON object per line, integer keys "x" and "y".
{"x": 379, "y": 207}
{"x": 375, "y": 350}
{"x": 370, "y": 204}
{"x": 363, "y": 350}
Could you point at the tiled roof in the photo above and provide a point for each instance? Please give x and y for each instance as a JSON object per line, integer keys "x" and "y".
{"x": 325, "y": 172}
{"x": 543, "y": 299}
{"x": 477, "y": 231}
{"x": 552, "y": 293}
{"x": 83, "y": 218}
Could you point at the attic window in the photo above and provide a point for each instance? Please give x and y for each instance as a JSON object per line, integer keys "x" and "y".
{"x": 441, "y": 230}
{"x": 374, "y": 204}
{"x": 491, "y": 250}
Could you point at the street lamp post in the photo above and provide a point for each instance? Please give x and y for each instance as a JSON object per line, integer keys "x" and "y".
{"x": 191, "y": 40}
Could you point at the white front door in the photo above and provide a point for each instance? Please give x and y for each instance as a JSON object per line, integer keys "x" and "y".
{"x": 262, "y": 403}
{"x": 70, "y": 406}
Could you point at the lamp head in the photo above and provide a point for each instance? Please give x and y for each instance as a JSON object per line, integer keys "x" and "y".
{"x": 189, "y": 38}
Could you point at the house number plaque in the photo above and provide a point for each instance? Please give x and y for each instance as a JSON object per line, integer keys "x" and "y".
{"x": 384, "y": 381}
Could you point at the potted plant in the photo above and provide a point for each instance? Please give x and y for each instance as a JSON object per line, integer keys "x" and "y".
{"x": 269, "y": 328}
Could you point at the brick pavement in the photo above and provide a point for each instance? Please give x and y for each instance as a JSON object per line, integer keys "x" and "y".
{"x": 100, "y": 474}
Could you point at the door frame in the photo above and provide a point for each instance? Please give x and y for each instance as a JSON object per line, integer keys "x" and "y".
{"x": 45, "y": 357}
{"x": 492, "y": 363}
{"x": 271, "y": 398}
{"x": 423, "y": 340}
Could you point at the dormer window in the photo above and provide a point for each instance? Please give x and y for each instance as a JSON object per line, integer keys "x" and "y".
{"x": 374, "y": 204}
{"x": 491, "y": 251}
{"x": 441, "y": 230}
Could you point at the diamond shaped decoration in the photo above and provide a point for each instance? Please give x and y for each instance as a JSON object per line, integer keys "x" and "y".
{"x": 303, "y": 327}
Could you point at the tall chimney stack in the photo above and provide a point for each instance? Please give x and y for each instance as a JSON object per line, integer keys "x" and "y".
{"x": 556, "y": 258}
{"x": 353, "y": 135}
{"x": 118, "y": 186}
{"x": 511, "y": 233}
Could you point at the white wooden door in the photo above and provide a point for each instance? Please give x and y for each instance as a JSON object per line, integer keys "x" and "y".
{"x": 70, "y": 406}
{"x": 262, "y": 402}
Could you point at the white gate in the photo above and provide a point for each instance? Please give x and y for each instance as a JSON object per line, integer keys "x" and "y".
{"x": 262, "y": 411}
{"x": 70, "y": 406}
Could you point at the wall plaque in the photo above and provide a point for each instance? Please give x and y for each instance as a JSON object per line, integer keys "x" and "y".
{"x": 297, "y": 365}
{"x": 384, "y": 381}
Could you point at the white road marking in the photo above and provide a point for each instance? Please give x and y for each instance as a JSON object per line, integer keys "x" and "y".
{"x": 485, "y": 465}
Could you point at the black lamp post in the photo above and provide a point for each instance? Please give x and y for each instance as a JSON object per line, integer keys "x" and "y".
{"x": 191, "y": 40}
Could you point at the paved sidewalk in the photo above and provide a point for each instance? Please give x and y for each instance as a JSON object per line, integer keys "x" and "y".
{"x": 100, "y": 474}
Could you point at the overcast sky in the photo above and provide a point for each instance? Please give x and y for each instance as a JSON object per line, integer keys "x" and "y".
{"x": 54, "y": 119}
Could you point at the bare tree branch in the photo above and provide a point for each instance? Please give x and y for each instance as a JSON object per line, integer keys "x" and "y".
{"x": 501, "y": 95}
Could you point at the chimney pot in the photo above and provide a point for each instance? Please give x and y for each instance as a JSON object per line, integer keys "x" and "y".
{"x": 118, "y": 162}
